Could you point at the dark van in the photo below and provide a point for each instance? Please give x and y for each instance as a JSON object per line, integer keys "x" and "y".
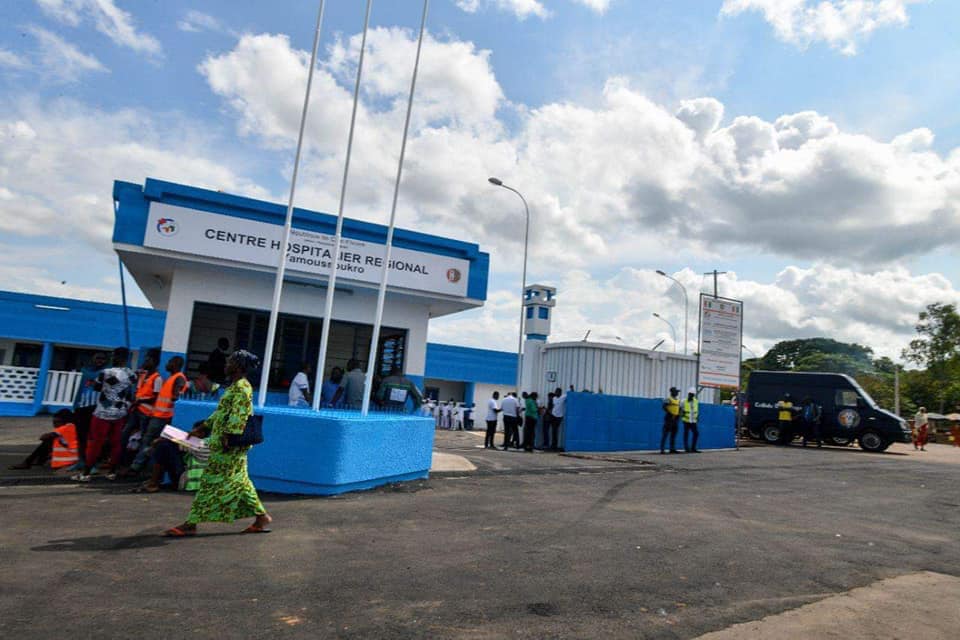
{"x": 849, "y": 413}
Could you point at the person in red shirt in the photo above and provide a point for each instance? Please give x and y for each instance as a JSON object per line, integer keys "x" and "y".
{"x": 59, "y": 446}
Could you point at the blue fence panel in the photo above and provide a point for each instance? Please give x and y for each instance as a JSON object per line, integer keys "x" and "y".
{"x": 596, "y": 422}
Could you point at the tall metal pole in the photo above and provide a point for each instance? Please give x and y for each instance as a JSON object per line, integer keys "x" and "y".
{"x": 686, "y": 308}
{"x": 523, "y": 288}
{"x": 334, "y": 261}
{"x": 288, "y": 223}
{"x": 896, "y": 389}
{"x": 123, "y": 299}
{"x": 382, "y": 292}
{"x": 715, "y": 273}
{"x": 673, "y": 329}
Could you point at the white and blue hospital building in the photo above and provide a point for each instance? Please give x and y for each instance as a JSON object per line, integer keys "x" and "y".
{"x": 205, "y": 260}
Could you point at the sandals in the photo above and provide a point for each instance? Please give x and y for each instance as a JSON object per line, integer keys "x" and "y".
{"x": 256, "y": 529}
{"x": 177, "y": 532}
{"x": 145, "y": 488}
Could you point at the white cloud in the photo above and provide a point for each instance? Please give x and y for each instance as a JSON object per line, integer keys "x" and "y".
{"x": 798, "y": 302}
{"x": 522, "y": 9}
{"x": 60, "y": 60}
{"x": 11, "y": 60}
{"x": 798, "y": 186}
{"x": 58, "y": 161}
{"x": 196, "y": 21}
{"x": 600, "y": 6}
{"x": 108, "y": 19}
{"x": 842, "y": 24}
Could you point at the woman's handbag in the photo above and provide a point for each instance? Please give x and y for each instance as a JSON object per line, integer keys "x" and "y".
{"x": 252, "y": 434}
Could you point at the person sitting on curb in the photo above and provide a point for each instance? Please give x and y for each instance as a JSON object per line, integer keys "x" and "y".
{"x": 59, "y": 446}
{"x": 183, "y": 466}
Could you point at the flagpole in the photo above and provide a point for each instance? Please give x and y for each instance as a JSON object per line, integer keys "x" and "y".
{"x": 334, "y": 260}
{"x": 381, "y": 294}
{"x": 282, "y": 262}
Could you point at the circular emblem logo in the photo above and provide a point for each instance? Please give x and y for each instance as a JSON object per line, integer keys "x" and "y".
{"x": 167, "y": 227}
{"x": 453, "y": 275}
{"x": 848, "y": 419}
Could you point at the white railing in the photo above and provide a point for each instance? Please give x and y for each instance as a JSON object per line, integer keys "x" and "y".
{"x": 18, "y": 384}
{"x": 61, "y": 388}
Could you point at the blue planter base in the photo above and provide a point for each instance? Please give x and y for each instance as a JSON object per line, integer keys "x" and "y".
{"x": 293, "y": 487}
{"x": 330, "y": 452}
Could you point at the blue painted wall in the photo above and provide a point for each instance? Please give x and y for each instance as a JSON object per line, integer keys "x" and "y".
{"x": 134, "y": 202}
{"x": 595, "y": 422}
{"x": 98, "y": 324}
{"x": 76, "y": 322}
{"x": 332, "y": 452}
{"x": 465, "y": 364}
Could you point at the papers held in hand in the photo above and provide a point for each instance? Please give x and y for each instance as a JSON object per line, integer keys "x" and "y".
{"x": 183, "y": 438}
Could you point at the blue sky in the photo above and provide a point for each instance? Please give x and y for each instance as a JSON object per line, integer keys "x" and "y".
{"x": 172, "y": 88}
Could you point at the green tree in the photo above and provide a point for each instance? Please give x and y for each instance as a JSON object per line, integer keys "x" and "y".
{"x": 818, "y": 354}
{"x": 939, "y": 342}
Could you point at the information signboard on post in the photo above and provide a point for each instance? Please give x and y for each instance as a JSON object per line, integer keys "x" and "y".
{"x": 721, "y": 334}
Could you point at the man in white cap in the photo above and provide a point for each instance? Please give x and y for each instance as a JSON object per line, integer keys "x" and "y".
{"x": 690, "y": 412}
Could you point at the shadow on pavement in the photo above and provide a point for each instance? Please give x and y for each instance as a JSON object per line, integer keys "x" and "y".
{"x": 121, "y": 543}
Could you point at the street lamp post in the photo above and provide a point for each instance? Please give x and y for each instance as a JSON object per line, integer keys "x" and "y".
{"x": 749, "y": 350}
{"x": 686, "y": 307}
{"x": 673, "y": 329}
{"x": 523, "y": 290}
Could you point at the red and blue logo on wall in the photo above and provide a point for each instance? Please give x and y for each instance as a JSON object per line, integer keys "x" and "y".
{"x": 167, "y": 227}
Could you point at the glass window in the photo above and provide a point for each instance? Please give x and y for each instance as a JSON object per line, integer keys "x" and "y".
{"x": 529, "y": 312}
{"x": 846, "y": 398}
{"x": 27, "y": 355}
{"x": 544, "y": 313}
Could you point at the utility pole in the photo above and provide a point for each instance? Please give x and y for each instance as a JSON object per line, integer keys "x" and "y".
{"x": 896, "y": 389}
{"x": 715, "y": 273}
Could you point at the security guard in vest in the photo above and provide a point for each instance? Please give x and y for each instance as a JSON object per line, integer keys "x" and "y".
{"x": 785, "y": 411}
{"x": 671, "y": 414}
{"x": 690, "y": 414}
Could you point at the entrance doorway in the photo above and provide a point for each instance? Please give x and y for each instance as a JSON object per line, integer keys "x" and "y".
{"x": 297, "y": 341}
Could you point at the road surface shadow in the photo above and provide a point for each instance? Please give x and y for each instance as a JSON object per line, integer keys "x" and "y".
{"x": 120, "y": 543}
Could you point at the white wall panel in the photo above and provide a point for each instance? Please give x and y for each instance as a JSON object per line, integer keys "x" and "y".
{"x": 616, "y": 370}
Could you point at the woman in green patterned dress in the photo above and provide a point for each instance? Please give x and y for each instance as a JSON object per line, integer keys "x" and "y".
{"x": 226, "y": 493}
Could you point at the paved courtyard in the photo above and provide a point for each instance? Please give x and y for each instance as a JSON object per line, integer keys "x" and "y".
{"x": 526, "y": 546}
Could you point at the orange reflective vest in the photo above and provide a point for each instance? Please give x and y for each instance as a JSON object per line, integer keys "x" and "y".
{"x": 65, "y": 447}
{"x": 164, "y": 406}
{"x": 145, "y": 391}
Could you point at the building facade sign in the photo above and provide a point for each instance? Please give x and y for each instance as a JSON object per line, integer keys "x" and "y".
{"x": 212, "y": 235}
{"x": 721, "y": 334}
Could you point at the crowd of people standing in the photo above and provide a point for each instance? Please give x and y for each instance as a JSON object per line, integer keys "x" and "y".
{"x": 116, "y": 424}
{"x": 527, "y": 412}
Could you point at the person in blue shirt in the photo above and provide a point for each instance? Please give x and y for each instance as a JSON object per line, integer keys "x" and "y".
{"x": 86, "y": 399}
{"x": 331, "y": 393}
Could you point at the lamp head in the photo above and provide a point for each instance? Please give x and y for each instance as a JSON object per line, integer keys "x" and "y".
{"x": 660, "y": 272}
{"x": 495, "y": 181}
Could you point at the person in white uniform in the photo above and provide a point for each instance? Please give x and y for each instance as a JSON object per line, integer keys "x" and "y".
{"x": 493, "y": 408}
{"x": 299, "y": 394}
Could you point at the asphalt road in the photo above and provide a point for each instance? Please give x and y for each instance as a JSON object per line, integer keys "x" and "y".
{"x": 529, "y": 546}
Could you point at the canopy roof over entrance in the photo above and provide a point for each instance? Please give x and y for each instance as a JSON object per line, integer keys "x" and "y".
{"x": 163, "y": 225}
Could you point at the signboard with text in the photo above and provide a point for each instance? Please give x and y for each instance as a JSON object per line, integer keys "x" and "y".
{"x": 721, "y": 334}
{"x": 214, "y": 235}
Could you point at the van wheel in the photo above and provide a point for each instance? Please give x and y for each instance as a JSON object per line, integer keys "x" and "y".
{"x": 839, "y": 441}
{"x": 873, "y": 442}
{"x": 771, "y": 432}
